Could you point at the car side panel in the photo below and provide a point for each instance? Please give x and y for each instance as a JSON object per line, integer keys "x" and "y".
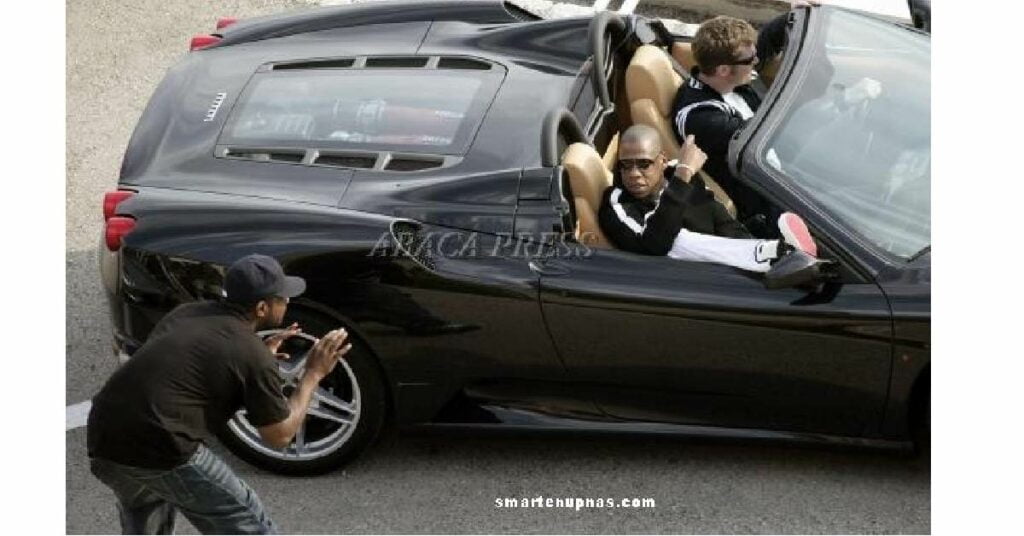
{"x": 909, "y": 294}
{"x": 436, "y": 331}
{"x": 696, "y": 343}
{"x": 484, "y": 201}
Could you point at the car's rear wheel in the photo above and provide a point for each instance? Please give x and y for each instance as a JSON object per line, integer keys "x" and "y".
{"x": 345, "y": 415}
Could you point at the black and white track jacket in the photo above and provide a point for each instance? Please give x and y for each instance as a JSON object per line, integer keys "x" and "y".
{"x": 650, "y": 225}
{"x": 699, "y": 109}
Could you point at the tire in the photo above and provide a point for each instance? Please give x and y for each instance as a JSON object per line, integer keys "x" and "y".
{"x": 326, "y": 444}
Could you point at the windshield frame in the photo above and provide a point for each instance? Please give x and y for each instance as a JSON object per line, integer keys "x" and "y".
{"x": 747, "y": 152}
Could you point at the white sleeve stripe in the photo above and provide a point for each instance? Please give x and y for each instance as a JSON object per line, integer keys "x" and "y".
{"x": 623, "y": 217}
{"x": 681, "y": 116}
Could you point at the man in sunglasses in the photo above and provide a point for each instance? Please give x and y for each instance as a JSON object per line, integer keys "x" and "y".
{"x": 659, "y": 207}
{"x": 717, "y": 100}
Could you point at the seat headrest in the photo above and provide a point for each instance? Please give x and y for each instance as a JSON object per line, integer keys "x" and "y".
{"x": 683, "y": 53}
{"x": 587, "y": 174}
{"x": 650, "y": 76}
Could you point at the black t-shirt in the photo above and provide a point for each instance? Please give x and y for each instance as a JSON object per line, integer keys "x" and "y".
{"x": 201, "y": 364}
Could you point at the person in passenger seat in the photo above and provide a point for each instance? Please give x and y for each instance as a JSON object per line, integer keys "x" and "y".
{"x": 658, "y": 207}
{"x": 718, "y": 100}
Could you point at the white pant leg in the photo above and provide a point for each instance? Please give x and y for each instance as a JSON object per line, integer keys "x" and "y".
{"x": 737, "y": 252}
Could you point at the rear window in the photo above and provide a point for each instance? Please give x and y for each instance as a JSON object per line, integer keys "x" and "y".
{"x": 420, "y": 110}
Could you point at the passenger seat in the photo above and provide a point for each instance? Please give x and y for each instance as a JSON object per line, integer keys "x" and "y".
{"x": 611, "y": 154}
{"x": 588, "y": 178}
{"x": 651, "y": 85}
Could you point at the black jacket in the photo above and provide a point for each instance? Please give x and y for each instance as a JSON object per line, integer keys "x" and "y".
{"x": 700, "y": 110}
{"x": 649, "y": 226}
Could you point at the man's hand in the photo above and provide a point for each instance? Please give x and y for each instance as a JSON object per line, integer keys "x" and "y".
{"x": 326, "y": 352}
{"x": 274, "y": 341}
{"x": 691, "y": 157}
{"x": 321, "y": 361}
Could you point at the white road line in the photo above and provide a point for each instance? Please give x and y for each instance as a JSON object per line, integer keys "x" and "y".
{"x": 77, "y": 414}
{"x": 601, "y": 5}
{"x": 628, "y": 6}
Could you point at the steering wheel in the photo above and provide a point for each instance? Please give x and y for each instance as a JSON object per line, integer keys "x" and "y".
{"x": 603, "y": 23}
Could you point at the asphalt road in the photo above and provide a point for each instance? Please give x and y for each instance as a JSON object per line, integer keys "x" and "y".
{"x": 116, "y": 54}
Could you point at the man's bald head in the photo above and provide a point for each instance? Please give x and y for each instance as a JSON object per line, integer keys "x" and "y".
{"x": 644, "y": 136}
{"x": 641, "y": 161}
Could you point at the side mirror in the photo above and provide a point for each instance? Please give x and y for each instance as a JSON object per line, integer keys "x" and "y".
{"x": 798, "y": 269}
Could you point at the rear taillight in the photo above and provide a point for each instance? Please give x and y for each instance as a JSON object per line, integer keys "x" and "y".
{"x": 224, "y": 22}
{"x": 117, "y": 227}
{"x": 202, "y": 41}
{"x": 110, "y": 201}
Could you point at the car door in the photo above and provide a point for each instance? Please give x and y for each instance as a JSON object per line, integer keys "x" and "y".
{"x": 657, "y": 339}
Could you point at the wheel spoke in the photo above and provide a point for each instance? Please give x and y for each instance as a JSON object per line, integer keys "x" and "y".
{"x": 293, "y": 368}
{"x": 311, "y": 440}
{"x": 300, "y": 439}
{"x": 327, "y": 399}
{"x": 325, "y": 405}
{"x": 328, "y": 415}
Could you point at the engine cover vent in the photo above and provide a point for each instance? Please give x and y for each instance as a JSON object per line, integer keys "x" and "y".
{"x": 363, "y": 162}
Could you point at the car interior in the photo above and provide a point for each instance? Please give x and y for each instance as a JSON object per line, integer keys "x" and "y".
{"x": 642, "y": 86}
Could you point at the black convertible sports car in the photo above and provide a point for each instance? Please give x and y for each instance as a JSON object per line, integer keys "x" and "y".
{"x": 431, "y": 169}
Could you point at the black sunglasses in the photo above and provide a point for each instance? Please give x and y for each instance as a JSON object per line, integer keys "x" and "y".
{"x": 643, "y": 164}
{"x": 746, "y": 61}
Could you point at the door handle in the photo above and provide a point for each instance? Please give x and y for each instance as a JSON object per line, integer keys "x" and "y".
{"x": 548, "y": 267}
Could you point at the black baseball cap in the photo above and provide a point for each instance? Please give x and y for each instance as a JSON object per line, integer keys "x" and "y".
{"x": 256, "y": 277}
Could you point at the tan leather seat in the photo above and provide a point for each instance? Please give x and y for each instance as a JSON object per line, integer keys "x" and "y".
{"x": 651, "y": 86}
{"x": 611, "y": 154}
{"x": 588, "y": 178}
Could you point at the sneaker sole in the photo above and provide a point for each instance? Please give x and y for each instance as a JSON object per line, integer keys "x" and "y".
{"x": 795, "y": 232}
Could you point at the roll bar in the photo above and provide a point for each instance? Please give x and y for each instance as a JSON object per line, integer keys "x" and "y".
{"x": 558, "y": 121}
{"x": 599, "y": 26}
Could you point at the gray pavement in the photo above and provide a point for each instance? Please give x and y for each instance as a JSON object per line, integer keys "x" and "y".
{"x": 447, "y": 483}
{"x": 116, "y": 54}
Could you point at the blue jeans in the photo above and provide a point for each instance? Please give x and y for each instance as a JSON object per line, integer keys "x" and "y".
{"x": 204, "y": 489}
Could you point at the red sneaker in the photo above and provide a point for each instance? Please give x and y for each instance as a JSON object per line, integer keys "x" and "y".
{"x": 795, "y": 232}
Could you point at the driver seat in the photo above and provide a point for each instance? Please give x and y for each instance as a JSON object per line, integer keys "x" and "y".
{"x": 651, "y": 86}
{"x": 588, "y": 179}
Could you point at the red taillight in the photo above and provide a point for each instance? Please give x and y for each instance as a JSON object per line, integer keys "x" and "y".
{"x": 224, "y": 22}
{"x": 202, "y": 41}
{"x": 117, "y": 227}
{"x": 111, "y": 200}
